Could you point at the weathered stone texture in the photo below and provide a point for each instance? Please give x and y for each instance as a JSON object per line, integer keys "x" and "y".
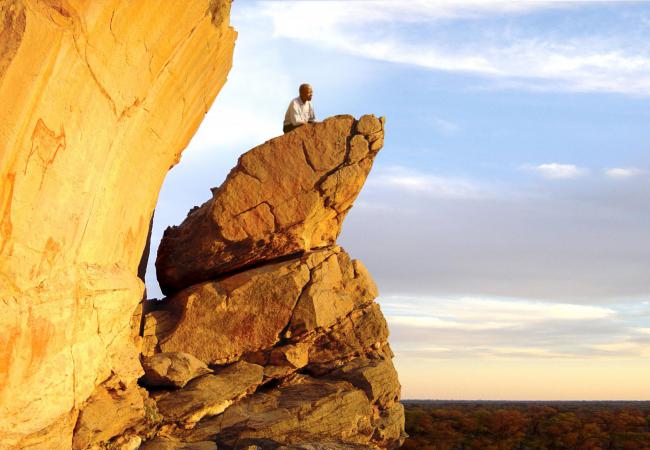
{"x": 327, "y": 325}
{"x": 209, "y": 395}
{"x": 108, "y": 413}
{"x": 173, "y": 369}
{"x": 302, "y": 410}
{"x": 219, "y": 321}
{"x": 98, "y": 101}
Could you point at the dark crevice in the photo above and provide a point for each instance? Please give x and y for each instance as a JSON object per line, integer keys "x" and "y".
{"x": 307, "y": 159}
{"x": 252, "y": 208}
{"x": 345, "y": 162}
{"x": 282, "y": 337}
{"x": 257, "y": 265}
{"x": 144, "y": 259}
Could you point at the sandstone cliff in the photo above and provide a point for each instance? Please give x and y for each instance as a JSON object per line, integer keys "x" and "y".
{"x": 98, "y": 101}
{"x": 272, "y": 338}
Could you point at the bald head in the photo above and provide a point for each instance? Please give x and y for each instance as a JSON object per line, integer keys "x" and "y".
{"x": 305, "y": 92}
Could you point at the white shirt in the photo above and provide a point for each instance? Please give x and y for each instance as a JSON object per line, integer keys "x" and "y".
{"x": 299, "y": 112}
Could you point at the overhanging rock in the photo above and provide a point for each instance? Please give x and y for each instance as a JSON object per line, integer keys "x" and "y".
{"x": 286, "y": 196}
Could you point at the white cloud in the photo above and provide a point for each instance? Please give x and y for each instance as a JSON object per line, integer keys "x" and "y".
{"x": 528, "y": 311}
{"x": 413, "y": 182}
{"x": 438, "y": 323}
{"x": 620, "y": 172}
{"x": 557, "y": 62}
{"x": 484, "y": 313}
{"x": 506, "y": 328}
{"x": 556, "y": 170}
{"x": 296, "y": 19}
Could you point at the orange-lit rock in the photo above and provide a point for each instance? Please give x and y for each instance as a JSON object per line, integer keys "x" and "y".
{"x": 285, "y": 196}
{"x": 98, "y": 101}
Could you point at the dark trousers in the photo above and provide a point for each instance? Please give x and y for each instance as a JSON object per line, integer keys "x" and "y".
{"x": 289, "y": 127}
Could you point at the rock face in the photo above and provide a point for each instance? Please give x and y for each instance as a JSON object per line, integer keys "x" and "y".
{"x": 284, "y": 317}
{"x": 288, "y": 195}
{"x": 98, "y": 101}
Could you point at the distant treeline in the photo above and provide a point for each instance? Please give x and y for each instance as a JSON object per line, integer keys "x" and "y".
{"x": 527, "y": 426}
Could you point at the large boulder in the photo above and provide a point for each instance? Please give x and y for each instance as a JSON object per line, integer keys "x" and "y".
{"x": 209, "y": 395}
{"x": 220, "y": 321}
{"x": 173, "y": 369}
{"x": 302, "y": 410}
{"x": 111, "y": 411}
{"x": 285, "y": 196}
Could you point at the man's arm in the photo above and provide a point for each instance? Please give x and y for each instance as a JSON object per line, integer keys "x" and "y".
{"x": 312, "y": 115}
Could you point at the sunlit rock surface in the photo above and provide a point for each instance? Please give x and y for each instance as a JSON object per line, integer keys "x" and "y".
{"x": 99, "y": 98}
{"x": 285, "y": 196}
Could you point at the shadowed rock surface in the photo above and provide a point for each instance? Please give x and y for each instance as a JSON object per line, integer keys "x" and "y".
{"x": 289, "y": 325}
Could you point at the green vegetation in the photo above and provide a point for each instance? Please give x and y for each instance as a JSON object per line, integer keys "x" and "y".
{"x": 527, "y": 426}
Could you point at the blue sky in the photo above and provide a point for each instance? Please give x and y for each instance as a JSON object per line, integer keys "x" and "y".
{"x": 506, "y": 220}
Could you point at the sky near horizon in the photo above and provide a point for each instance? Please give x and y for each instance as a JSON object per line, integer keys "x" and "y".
{"x": 506, "y": 220}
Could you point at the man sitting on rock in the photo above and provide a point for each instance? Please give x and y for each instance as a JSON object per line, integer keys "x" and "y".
{"x": 300, "y": 110}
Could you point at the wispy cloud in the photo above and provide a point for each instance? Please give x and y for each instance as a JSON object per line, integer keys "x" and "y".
{"x": 299, "y": 16}
{"x": 623, "y": 172}
{"x": 556, "y": 170}
{"x": 545, "y": 61}
{"x": 411, "y": 181}
{"x": 437, "y": 312}
{"x": 438, "y": 323}
{"x": 623, "y": 348}
{"x": 498, "y": 328}
{"x": 526, "y": 352}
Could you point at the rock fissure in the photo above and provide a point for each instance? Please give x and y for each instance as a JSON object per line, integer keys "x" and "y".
{"x": 110, "y": 26}
{"x": 307, "y": 159}
{"x": 84, "y": 57}
{"x": 243, "y": 169}
{"x": 285, "y": 334}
